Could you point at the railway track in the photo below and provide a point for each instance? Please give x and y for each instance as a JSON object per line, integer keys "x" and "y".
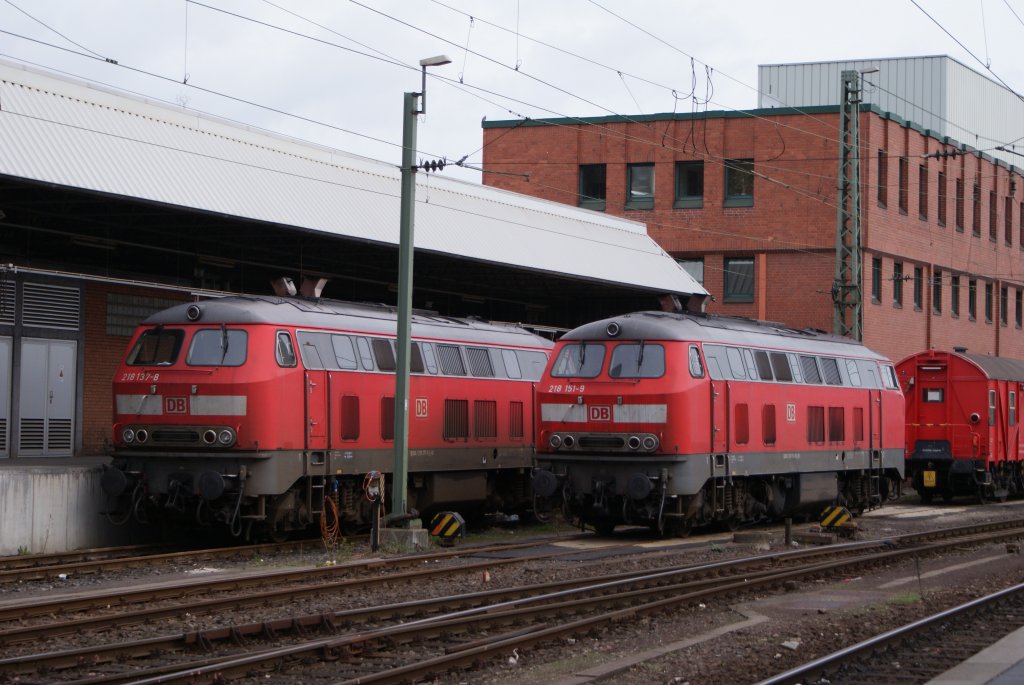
{"x": 430, "y": 636}
{"x": 923, "y": 649}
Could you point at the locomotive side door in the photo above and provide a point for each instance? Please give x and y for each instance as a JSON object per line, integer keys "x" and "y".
{"x": 719, "y": 417}
{"x": 316, "y": 410}
{"x": 874, "y": 444}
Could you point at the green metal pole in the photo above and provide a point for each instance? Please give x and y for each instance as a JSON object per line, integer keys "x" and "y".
{"x": 405, "y": 260}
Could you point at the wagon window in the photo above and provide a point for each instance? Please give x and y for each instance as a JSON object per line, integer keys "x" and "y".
{"x": 428, "y": 357}
{"x": 831, "y": 369}
{"x": 853, "y": 372}
{"x": 637, "y": 361}
{"x": 717, "y": 363}
{"x": 415, "y": 358}
{"x": 764, "y": 365}
{"x": 780, "y": 365}
{"x": 889, "y": 377}
{"x": 283, "y": 351}
{"x": 218, "y": 347}
{"x": 991, "y": 407}
{"x": 869, "y": 373}
{"x": 511, "y": 362}
{"x": 383, "y": 353}
{"x": 479, "y": 362}
{"x": 532, "y": 364}
{"x": 316, "y": 350}
{"x": 578, "y": 360}
{"x": 156, "y": 347}
{"x": 809, "y": 365}
{"x": 933, "y": 395}
{"x": 736, "y": 365}
{"x": 794, "y": 365}
{"x": 451, "y": 360}
{"x": 696, "y": 368}
{"x": 344, "y": 352}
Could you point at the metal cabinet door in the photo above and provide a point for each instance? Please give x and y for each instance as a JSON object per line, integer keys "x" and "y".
{"x": 47, "y": 397}
{"x": 5, "y": 395}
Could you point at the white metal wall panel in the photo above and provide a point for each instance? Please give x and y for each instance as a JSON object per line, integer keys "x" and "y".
{"x": 65, "y": 132}
{"x": 47, "y": 408}
{"x": 5, "y": 395}
{"x": 934, "y": 92}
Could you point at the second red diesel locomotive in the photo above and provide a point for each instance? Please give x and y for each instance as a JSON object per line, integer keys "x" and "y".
{"x": 672, "y": 420}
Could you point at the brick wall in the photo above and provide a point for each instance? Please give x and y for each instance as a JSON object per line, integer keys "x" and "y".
{"x": 790, "y": 229}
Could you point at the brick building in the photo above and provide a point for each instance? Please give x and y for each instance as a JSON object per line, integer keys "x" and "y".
{"x": 747, "y": 202}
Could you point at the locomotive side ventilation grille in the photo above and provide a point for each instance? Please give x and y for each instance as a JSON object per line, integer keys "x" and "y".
{"x": 7, "y": 302}
{"x": 515, "y": 420}
{"x": 456, "y": 419}
{"x": 51, "y": 306}
{"x": 485, "y": 417}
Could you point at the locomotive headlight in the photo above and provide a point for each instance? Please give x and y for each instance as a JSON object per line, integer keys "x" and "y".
{"x": 555, "y": 440}
{"x": 226, "y": 437}
{"x": 633, "y": 442}
{"x": 128, "y": 435}
{"x": 650, "y": 443}
{"x": 142, "y": 435}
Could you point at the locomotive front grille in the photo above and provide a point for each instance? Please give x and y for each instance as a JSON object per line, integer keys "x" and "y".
{"x": 601, "y": 442}
{"x": 166, "y": 436}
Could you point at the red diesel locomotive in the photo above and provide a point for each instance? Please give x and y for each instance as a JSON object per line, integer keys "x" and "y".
{"x": 963, "y": 432}
{"x": 252, "y": 412}
{"x": 673, "y": 420}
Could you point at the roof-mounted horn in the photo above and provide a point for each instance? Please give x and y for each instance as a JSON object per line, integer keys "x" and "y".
{"x": 283, "y": 287}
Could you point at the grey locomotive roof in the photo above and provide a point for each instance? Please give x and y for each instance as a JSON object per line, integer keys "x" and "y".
{"x": 998, "y": 368}
{"x": 656, "y": 325}
{"x": 349, "y": 316}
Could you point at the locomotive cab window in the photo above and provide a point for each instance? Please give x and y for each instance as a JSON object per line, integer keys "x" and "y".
{"x": 932, "y": 395}
{"x": 284, "y": 352}
{"x": 696, "y": 368}
{"x": 365, "y": 356}
{"x": 764, "y": 365}
{"x": 383, "y": 353}
{"x": 428, "y": 357}
{"x": 579, "y": 360}
{"x": 532, "y": 364}
{"x": 780, "y": 366}
{"x": 889, "y": 377}
{"x": 218, "y": 347}
{"x": 344, "y": 352}
{"x": 641, "y": 360}
{"x": 156, "y": 347}
{"x": 511, "y": 362}
{"x": 737, "y": 367}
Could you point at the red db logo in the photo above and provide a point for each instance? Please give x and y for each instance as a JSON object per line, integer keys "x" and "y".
{"x": 600, "y": 413}
{"x": 175, "y": 405}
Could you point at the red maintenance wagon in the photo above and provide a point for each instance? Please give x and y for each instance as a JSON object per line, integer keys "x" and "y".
{"x": 963, "y": 427}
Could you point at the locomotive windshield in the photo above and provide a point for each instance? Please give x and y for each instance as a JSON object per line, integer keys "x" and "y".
{"x": 156, "y": 347}
{"x": 218, "y": 347}
{"x": 579, "y": 360}
{"x": 641, "y": 360}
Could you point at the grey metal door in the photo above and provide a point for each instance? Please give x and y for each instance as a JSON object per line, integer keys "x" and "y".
{"x": 5, "y": 396}
{"x": 47, "y": 398}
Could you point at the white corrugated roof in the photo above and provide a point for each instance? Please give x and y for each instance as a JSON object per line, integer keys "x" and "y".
{"x": 71, "y": 133}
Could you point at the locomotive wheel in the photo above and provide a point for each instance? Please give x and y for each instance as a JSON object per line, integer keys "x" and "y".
{"x": 682, "y": 528}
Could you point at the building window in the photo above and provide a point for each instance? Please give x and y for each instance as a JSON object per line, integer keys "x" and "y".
{"x": 1008, "y": 220}
{"x": 954, "y": 296}
{"x": 919, "y": 287}
{"x": 976, "y": 208}
{"x": 942, "y": 198}
{"x": 922, "y": 192}
{"x": 897, "y": 284}
{"x": 739, "y": 279}
{"x": 883, "y": 179}
{"x": 876, "y": 279}
{"x": 960, "y": 205}
{"x": 1018, "y": 311}
{"x": 904, "y": 200}
{"x": 993, "y": 218}
{"x": 593, "y": 186}
{"x": 739, "y": 183}
{"x": 694, "y": 267}
{"x": 689, "y": 185}
{"x": 937, "y": 291}
{"x": 972, "y": 299}
{"x": 1003, "y": 306}
{"x": 640, "y": 186}
{"x": 988, "y": 303}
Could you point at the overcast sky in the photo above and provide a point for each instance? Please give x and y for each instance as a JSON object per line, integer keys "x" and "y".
{"x": 333, "y": 71}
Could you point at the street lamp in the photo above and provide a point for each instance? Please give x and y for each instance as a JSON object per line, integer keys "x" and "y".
{"x": 410, "y": 111}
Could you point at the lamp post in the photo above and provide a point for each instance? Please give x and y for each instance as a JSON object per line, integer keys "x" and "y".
{"x": 410, "y": 111}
